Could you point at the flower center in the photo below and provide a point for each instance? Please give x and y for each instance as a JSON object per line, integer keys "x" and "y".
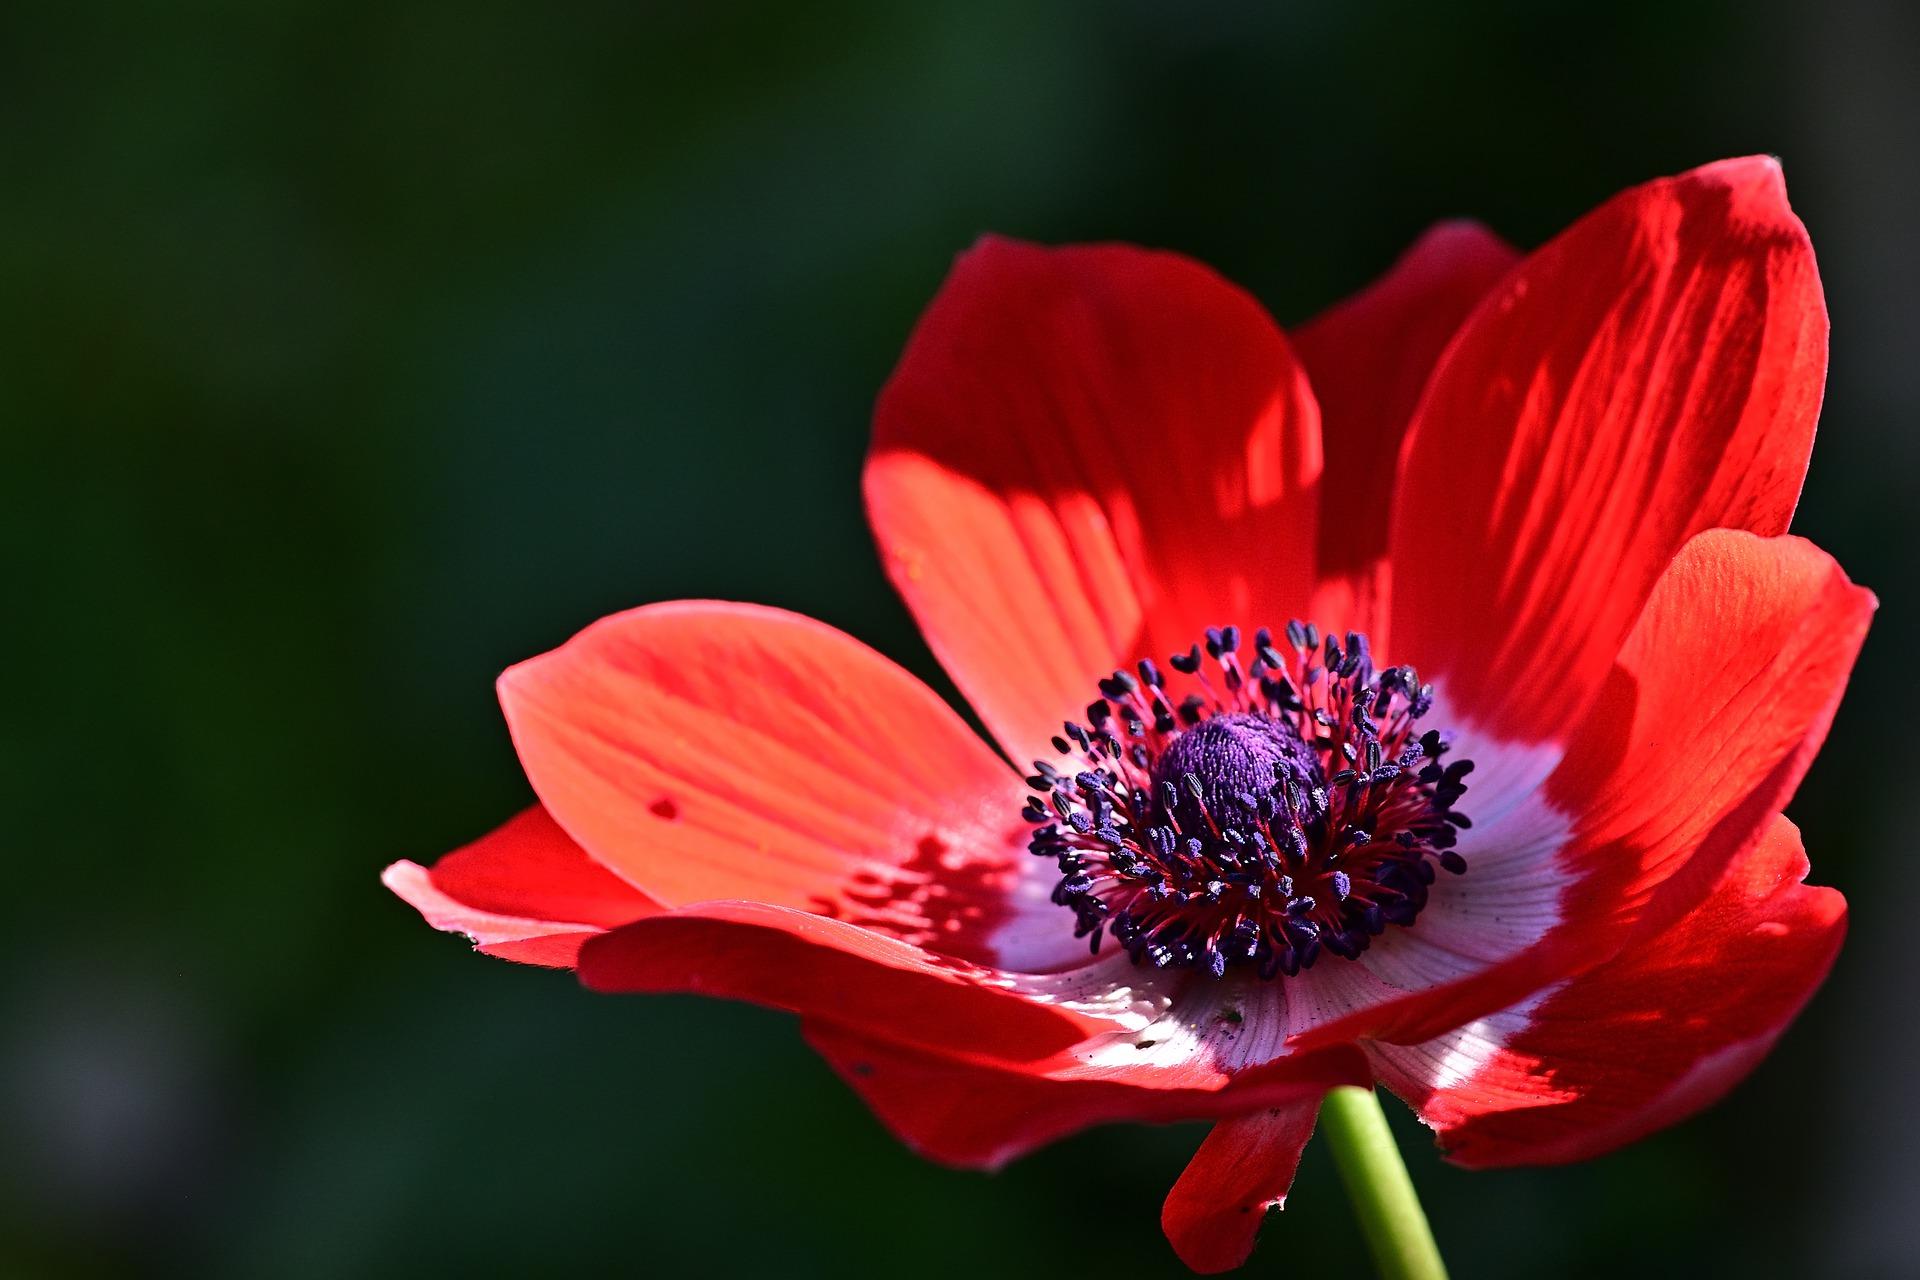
{"x": 1277, "y": 811}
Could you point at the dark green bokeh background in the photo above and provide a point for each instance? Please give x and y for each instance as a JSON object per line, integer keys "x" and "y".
{"x": 353, "y": 352}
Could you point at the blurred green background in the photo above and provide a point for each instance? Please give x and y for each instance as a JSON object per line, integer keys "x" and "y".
{"x": 355, "y": 351}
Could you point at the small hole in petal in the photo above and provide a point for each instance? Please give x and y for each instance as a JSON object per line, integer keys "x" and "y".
{"x": 664, "y": 807}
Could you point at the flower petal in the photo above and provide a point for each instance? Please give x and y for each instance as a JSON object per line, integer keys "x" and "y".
{"x": 1653, "y": 371}
{"x": 1086, "y": 456}
{"x": 723, "y": 751}
{"x": 1109, "y": 1020}
{"x": 524, "y": 892}
{"x": 1709, "y": 719}
{"x": 1368, "y": 359}
{"x": 1239, "y": 1175}
{"x": 1642, "y": 1042}
{"x": 1716, "y": 706}
{"x": 813, "y": 965}
{"x": 980, "y": 1114}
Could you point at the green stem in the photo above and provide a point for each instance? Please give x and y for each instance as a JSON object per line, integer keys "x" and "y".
{"x": 1377, "y": 1183}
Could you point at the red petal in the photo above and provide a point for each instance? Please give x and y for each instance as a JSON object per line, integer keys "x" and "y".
{"x": 722, "y": 751}
{"x": 1653, "y": 371}
{"x": 810, "y": 964}
{"x": 1087, "y": 456}
{"x": 1642, "y": 1042}
{"x": 530, "y": 867}
{"x": 1709, "y": 719}
{"x": 1714, "y": 708}
{"x": 982, "y": 1114}
{"x": 1240, "y": 1174}
{"x": 524, "y": 892}
{"x": 1368, "y": 359}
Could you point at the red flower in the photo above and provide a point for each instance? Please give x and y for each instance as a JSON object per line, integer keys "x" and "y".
{"x": 1558, "y": 484}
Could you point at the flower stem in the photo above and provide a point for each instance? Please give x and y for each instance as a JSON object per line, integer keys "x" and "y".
{"x": 1377, "y": 1184}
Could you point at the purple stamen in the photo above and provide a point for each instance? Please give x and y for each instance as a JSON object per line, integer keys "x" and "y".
{"x": 1202, "y": 829}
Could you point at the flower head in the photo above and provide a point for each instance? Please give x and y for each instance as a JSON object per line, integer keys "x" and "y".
{"x": 1412, "y": 697}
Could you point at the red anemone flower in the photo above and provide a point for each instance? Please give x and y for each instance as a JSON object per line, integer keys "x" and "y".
{"x": 1411, "y": 698}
